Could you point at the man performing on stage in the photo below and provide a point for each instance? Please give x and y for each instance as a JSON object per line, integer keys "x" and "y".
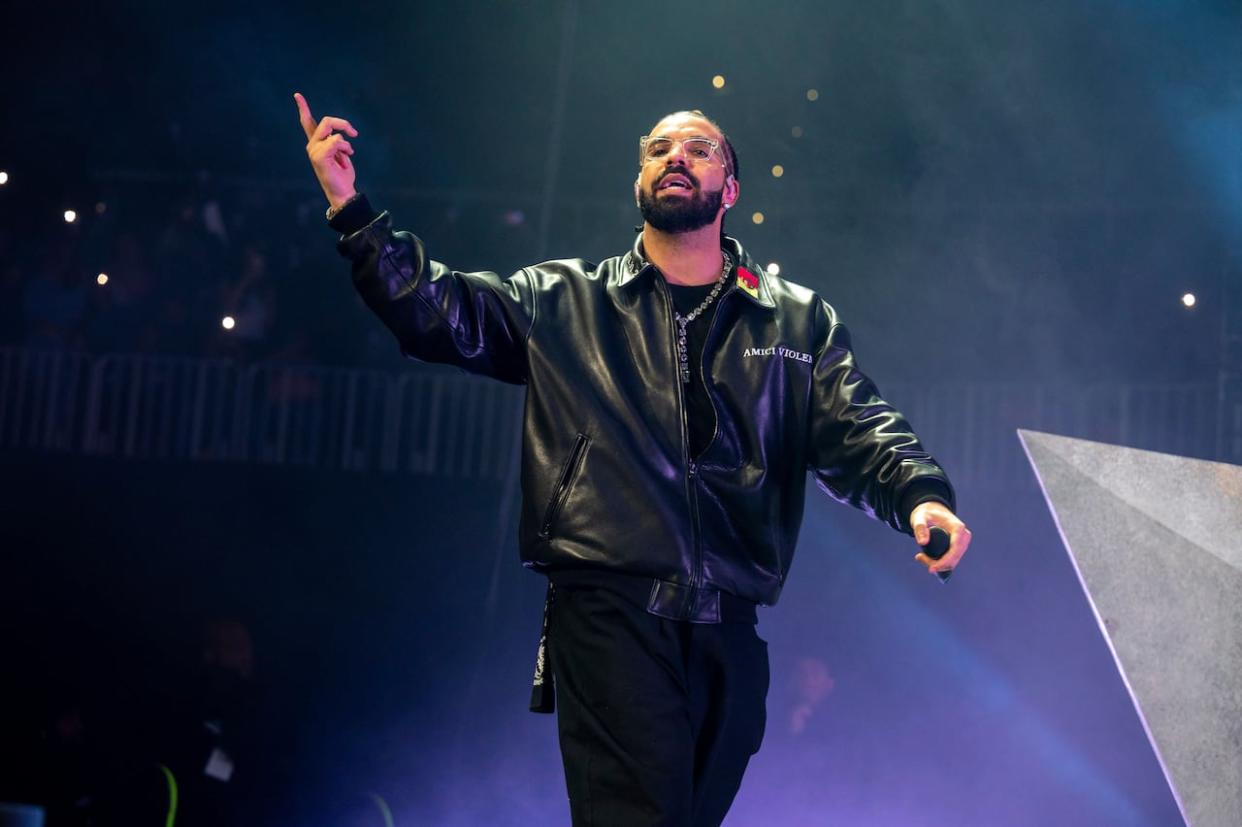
{"x": 676, "y": 397}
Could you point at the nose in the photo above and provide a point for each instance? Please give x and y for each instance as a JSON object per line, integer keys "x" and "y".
{"x": 676, "y": 156}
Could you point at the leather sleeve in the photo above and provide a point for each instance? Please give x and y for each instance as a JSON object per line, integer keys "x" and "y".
{"x": 861, "y": 450}
{"x": 353, "y": 216}
{"x": 479, "y": 322}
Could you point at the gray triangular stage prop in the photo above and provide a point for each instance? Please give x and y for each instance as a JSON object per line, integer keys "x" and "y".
{"x": 1157, "y": 543}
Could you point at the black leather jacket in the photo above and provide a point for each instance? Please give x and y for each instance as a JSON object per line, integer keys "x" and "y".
{"x": 606, "y": 480}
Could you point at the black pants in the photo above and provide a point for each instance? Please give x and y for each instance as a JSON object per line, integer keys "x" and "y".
{"x": 657, "y": 718}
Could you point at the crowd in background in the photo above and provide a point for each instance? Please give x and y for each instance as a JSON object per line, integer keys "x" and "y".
{"x": 149, "y": 273}
{"x": 161, "y": 276}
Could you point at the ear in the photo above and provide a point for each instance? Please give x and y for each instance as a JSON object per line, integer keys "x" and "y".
{"x": 636, "y": 180}
{"x": 732, "y": 190}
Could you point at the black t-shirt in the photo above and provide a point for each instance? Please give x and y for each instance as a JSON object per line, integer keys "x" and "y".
{"x": 700, "y": 415}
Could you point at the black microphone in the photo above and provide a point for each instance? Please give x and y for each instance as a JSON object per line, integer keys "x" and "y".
{"x": 936, "y": 548}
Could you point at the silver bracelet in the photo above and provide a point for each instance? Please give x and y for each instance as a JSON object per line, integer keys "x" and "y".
{"x": 332, "y": 211}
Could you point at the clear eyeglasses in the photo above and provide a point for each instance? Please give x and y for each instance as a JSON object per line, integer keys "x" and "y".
{"x": 655, "y": 147}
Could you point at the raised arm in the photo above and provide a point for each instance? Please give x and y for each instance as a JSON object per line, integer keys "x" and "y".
{"x": 476, "y": 321}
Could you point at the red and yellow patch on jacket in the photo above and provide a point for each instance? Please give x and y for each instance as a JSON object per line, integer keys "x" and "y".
{"x": 748, "y": 281}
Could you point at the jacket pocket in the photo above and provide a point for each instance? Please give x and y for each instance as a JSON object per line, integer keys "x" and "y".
{"x": 564, "y": 484}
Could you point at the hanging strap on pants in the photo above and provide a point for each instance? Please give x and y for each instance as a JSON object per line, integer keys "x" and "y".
{"x": 542, "y": 690}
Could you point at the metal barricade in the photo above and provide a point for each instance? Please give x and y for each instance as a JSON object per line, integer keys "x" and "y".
{"x": 160, "y": 408}
{"x": 427, "y": 421}
{"x": 971, "y": 427}
{"x": 316, "y": 417}
{"x": 40, "y": 398}
{"x": 456, "y": 425}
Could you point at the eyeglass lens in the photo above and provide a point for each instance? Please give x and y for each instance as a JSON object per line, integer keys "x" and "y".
{"x": 699, "y": 149}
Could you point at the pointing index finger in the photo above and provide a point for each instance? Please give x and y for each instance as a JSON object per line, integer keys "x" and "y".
{"x": 304, "y": 115}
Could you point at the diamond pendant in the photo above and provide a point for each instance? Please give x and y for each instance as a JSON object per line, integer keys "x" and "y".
{"x": 683, "y": 352}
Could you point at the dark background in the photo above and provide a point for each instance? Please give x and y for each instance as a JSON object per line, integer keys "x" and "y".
{"x": 994, "y": 196}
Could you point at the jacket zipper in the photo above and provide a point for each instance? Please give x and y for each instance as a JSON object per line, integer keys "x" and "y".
{"x": 561, "y": 492}
{"x": 692, "y": 468}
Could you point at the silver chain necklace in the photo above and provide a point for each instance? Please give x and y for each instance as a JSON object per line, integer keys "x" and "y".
{"x": 683, "y": 350}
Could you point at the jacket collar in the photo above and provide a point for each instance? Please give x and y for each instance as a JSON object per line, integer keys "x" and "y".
{"x": 756, "y": 288}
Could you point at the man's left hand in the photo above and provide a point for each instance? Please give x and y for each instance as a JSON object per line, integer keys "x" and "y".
{"x": 933, "y": 514}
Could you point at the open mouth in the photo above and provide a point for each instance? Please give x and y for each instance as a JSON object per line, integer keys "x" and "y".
{"x": 675, "y": 181}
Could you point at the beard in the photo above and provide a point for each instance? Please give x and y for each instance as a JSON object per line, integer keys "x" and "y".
{"x": 680, "y": 215}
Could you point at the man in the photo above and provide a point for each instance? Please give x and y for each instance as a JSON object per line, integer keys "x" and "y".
{"x": 676, "y": 397}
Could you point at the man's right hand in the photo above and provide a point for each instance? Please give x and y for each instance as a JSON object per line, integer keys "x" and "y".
{"x": 329, "y": 152}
